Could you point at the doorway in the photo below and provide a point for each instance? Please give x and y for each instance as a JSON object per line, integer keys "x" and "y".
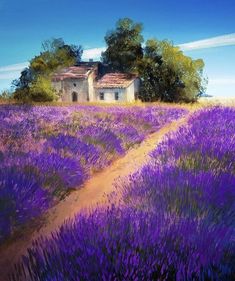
{"x": 74, "y": 97}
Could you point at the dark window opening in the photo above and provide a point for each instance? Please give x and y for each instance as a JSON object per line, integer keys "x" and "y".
{"x": 74, "y": 84}
{"x": 74, "y": 97}
{"x": 101, "y": 96}
{"x": 116, "y": 96}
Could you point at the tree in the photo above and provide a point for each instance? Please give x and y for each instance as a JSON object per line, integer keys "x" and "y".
{"x": 25, "y": 79}
{"x": 149, "y": 71}
{"x": 5, "y": 95}
{"x": 42, "y": 91}
{"x": 168, "y": 75}
{"x": 124, "y": 48}
{"x": 55, "y": 55}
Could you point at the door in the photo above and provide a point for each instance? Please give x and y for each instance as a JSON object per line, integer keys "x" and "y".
{"x": 74, "y": 97}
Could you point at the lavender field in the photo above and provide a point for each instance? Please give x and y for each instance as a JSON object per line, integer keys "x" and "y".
{"x": 48, "y": 151}
{"x": 175, "y": 220}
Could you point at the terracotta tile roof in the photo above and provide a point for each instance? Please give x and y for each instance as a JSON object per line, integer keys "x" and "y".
{"x": 73, "y": 72}
{"x": 115, "y": 80}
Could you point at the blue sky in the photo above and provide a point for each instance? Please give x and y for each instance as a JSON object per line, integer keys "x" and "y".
{"x": 25, "y": 24}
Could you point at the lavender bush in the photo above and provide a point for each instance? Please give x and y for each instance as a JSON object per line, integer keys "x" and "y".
{"x": 46, "y": 151}
{"x": 175, "y": 221}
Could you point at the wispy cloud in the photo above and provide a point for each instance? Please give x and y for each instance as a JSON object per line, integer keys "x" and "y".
{"x": 219, "y": 41}
{"x": 13, "y": 67}
{"x": 13, "y": 71}
{"x": 94, "y": 53}
{"x": 230, "y": 80}
{"x": 9, "y": 75}
{"x": 221, "y": 86}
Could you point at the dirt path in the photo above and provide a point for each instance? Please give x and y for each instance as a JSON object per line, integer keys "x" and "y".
{"x": 94, "y": 192}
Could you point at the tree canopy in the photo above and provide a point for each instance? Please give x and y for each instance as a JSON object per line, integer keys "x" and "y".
{"x": 166, "y": 73}
{"x": 34, "y": 83}
{"x": 124, "y": 46}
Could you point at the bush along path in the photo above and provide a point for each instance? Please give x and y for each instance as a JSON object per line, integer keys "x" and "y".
{"x": 93, "y": 193}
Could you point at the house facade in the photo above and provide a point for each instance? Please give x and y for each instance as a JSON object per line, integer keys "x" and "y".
{"x": 117, "y": 87}
{"x": 86, "y": 82}
{"x": 75, "y": 83}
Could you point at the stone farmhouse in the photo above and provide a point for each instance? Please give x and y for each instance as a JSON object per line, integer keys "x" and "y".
{"x": 91, "y": 82}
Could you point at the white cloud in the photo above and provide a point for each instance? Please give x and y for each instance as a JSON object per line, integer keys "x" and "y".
{"x": 13, "y": 67}
{"x": 222, "y": 81}
{"x": 94, "y": 53}
{"x": 9, "y": 75}
{"x": 13, "y": 71}
{"x": 219, "y": 41}
{"x": 221, "y": 87}
{"x": 9, "y": 71}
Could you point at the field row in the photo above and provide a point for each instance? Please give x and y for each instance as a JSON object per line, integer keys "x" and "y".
{"x": 47, "y": 151}
{"x": 175, "y": 221}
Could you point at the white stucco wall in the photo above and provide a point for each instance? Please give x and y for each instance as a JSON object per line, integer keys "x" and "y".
{"x": 81, "y": 89}
{"x": 86, "y": 88}
{"x": 133, "y": 90}
{"x": 68, "y": 86}
{"x": 125, "y": 95}
{"x": 91, "y": 90}
{"x": 109, "y": 95}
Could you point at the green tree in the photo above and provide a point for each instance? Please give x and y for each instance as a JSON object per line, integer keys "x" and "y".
{"x": 24, "y": 80}
{"x": 168, "y": 75}
{"x": 5, "y": 95}
{"x": 55, "y": 54}
{"x": 124, "y": 48}
{"x": 42, "y": 91}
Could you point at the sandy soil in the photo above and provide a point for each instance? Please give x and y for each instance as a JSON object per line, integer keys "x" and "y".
{"x": 94, "y": 192}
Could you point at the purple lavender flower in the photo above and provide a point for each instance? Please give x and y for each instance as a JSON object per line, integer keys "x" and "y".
{"x": 175, "y": 221}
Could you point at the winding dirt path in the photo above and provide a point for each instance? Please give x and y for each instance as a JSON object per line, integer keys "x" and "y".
{"x": 94, "y": 192}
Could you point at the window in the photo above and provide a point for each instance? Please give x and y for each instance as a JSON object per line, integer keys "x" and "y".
{"x": 74, "y": 84}
{"x": 116, "y": 96}
{"x": 101, "y": 96}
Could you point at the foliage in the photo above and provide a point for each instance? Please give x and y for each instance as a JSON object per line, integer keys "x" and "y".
{"x": 23, "y": 83}
{"x": 55, "y": 54}
{"x": 5, "y": 95}
{"x": 168, "y": 75}
{"x": 124, "y": 48}
{"x": 41, "y": 90}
